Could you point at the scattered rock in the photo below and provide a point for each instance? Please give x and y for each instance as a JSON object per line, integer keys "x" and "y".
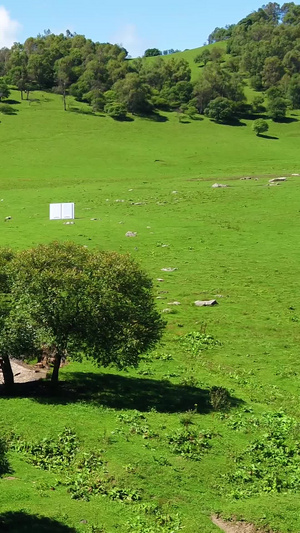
{"x": 174, "y": 192}
{"x": 165, "y": 245}
{"x": 7, "y": 218}
{"x": 174, "y": 303}
{"x": 131, "y": 234}
{"x": 68, "y": 223}
{"x": 119, "y": 201}
{"x": 94, "y": 218}
{"x": 218, "y": 185}
{"x": 246, "y": 178}
{"x": 167, "y": 310}
{"x": 205, "y": 303}
{"x": 169, "y": 269}
{"x": 276, "y": 180}
{"x": 159, "y": 279}
{"x": 161, "y": 297}
{"x": 292, "y": 175}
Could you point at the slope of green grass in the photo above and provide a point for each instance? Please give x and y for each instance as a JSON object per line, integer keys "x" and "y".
{"x": 189, "y": 55}
{"x": 238, "y": 245}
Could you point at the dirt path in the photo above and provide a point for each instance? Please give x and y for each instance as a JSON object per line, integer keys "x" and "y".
{"x": 235, "y": 527}
{"x": 24, "y": 373}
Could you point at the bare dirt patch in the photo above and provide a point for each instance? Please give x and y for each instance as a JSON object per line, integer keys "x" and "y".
{"x": 237, "y": 527}
{"x": 24, "y": 373}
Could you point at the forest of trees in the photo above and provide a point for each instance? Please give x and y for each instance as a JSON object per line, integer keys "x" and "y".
{"x": 263, "y": 49}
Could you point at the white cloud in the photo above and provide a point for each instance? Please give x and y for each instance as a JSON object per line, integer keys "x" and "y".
{"x": 9, "y": 28}
{"x": 128, "y": 37}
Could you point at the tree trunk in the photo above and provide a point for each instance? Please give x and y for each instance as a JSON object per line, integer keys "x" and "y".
{"x": 22, "y": 98}
{"x": 64, "y": 98}
{"x": 57, "y": 361}
{"x": 8, "y": 375}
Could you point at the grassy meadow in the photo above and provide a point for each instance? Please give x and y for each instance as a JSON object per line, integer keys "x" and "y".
{"x": 238, "y": 244}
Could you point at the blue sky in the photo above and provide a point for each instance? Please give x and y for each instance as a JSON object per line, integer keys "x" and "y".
{"x": 136, "y": 25}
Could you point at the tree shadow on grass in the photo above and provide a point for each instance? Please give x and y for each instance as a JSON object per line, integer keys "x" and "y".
{"x": 120, "y": 392}
{"x": 268, "y": 137}
{"x": 80, "y": 111}
{"x": 254, "y": 116}
{"x": 10, "y": 111}
{"x": 21, "y": 522}
{"x": 155, "y": 117}
{"x": 11, "y": 102}
{"x": 233, "y": 122}
{"x": 123, "y": 119}
{"x": 286, "y": 120}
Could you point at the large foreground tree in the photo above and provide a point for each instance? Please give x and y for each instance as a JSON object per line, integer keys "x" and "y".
{"x": 85, "y": 303}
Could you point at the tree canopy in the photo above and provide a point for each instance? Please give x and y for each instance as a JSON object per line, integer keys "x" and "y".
{"x": 81, "y": 302}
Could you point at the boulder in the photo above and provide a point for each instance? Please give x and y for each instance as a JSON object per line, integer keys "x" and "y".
{"x": 218, "y": 185}
{"x": 205, "y": 303}
{"x": 277, "y": 180}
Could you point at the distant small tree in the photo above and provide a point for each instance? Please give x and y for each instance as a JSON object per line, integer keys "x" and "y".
{"x": 203, "y": 57}
{"x": 293, "y": 91}
{"x": 151, "y": 52}
{"x": 4, "y": 90}
{"x": 260, "y": 126}
{"x": 221, "y": 110}
{"x": 115, "y": 110}
{"x": 7, "y": 109}
{"x": 216, "y": 54}
{"x": 276, "y": 108}
{"x": 257, "y": 104}
{"x": 96, "y": 99}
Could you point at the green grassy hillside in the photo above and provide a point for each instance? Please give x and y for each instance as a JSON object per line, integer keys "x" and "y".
{"x": 189, "y": 55}
{"x": 237, "y": 244}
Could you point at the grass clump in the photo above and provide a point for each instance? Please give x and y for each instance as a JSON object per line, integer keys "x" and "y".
{"x": 190, "y": 443}
{"x": 49, "y": 453}
{"x": 196, "y": 342}
{"x": 151, "y": 518}
{"x": 83, "y": 474}
{"x": 271, "y": 463}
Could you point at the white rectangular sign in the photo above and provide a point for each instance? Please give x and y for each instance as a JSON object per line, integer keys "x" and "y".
{"x": 62, "y": 211}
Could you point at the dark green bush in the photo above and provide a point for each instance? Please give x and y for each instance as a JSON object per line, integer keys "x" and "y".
{"x": 6, "y": 109}
{"x": 219, "y": 398}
